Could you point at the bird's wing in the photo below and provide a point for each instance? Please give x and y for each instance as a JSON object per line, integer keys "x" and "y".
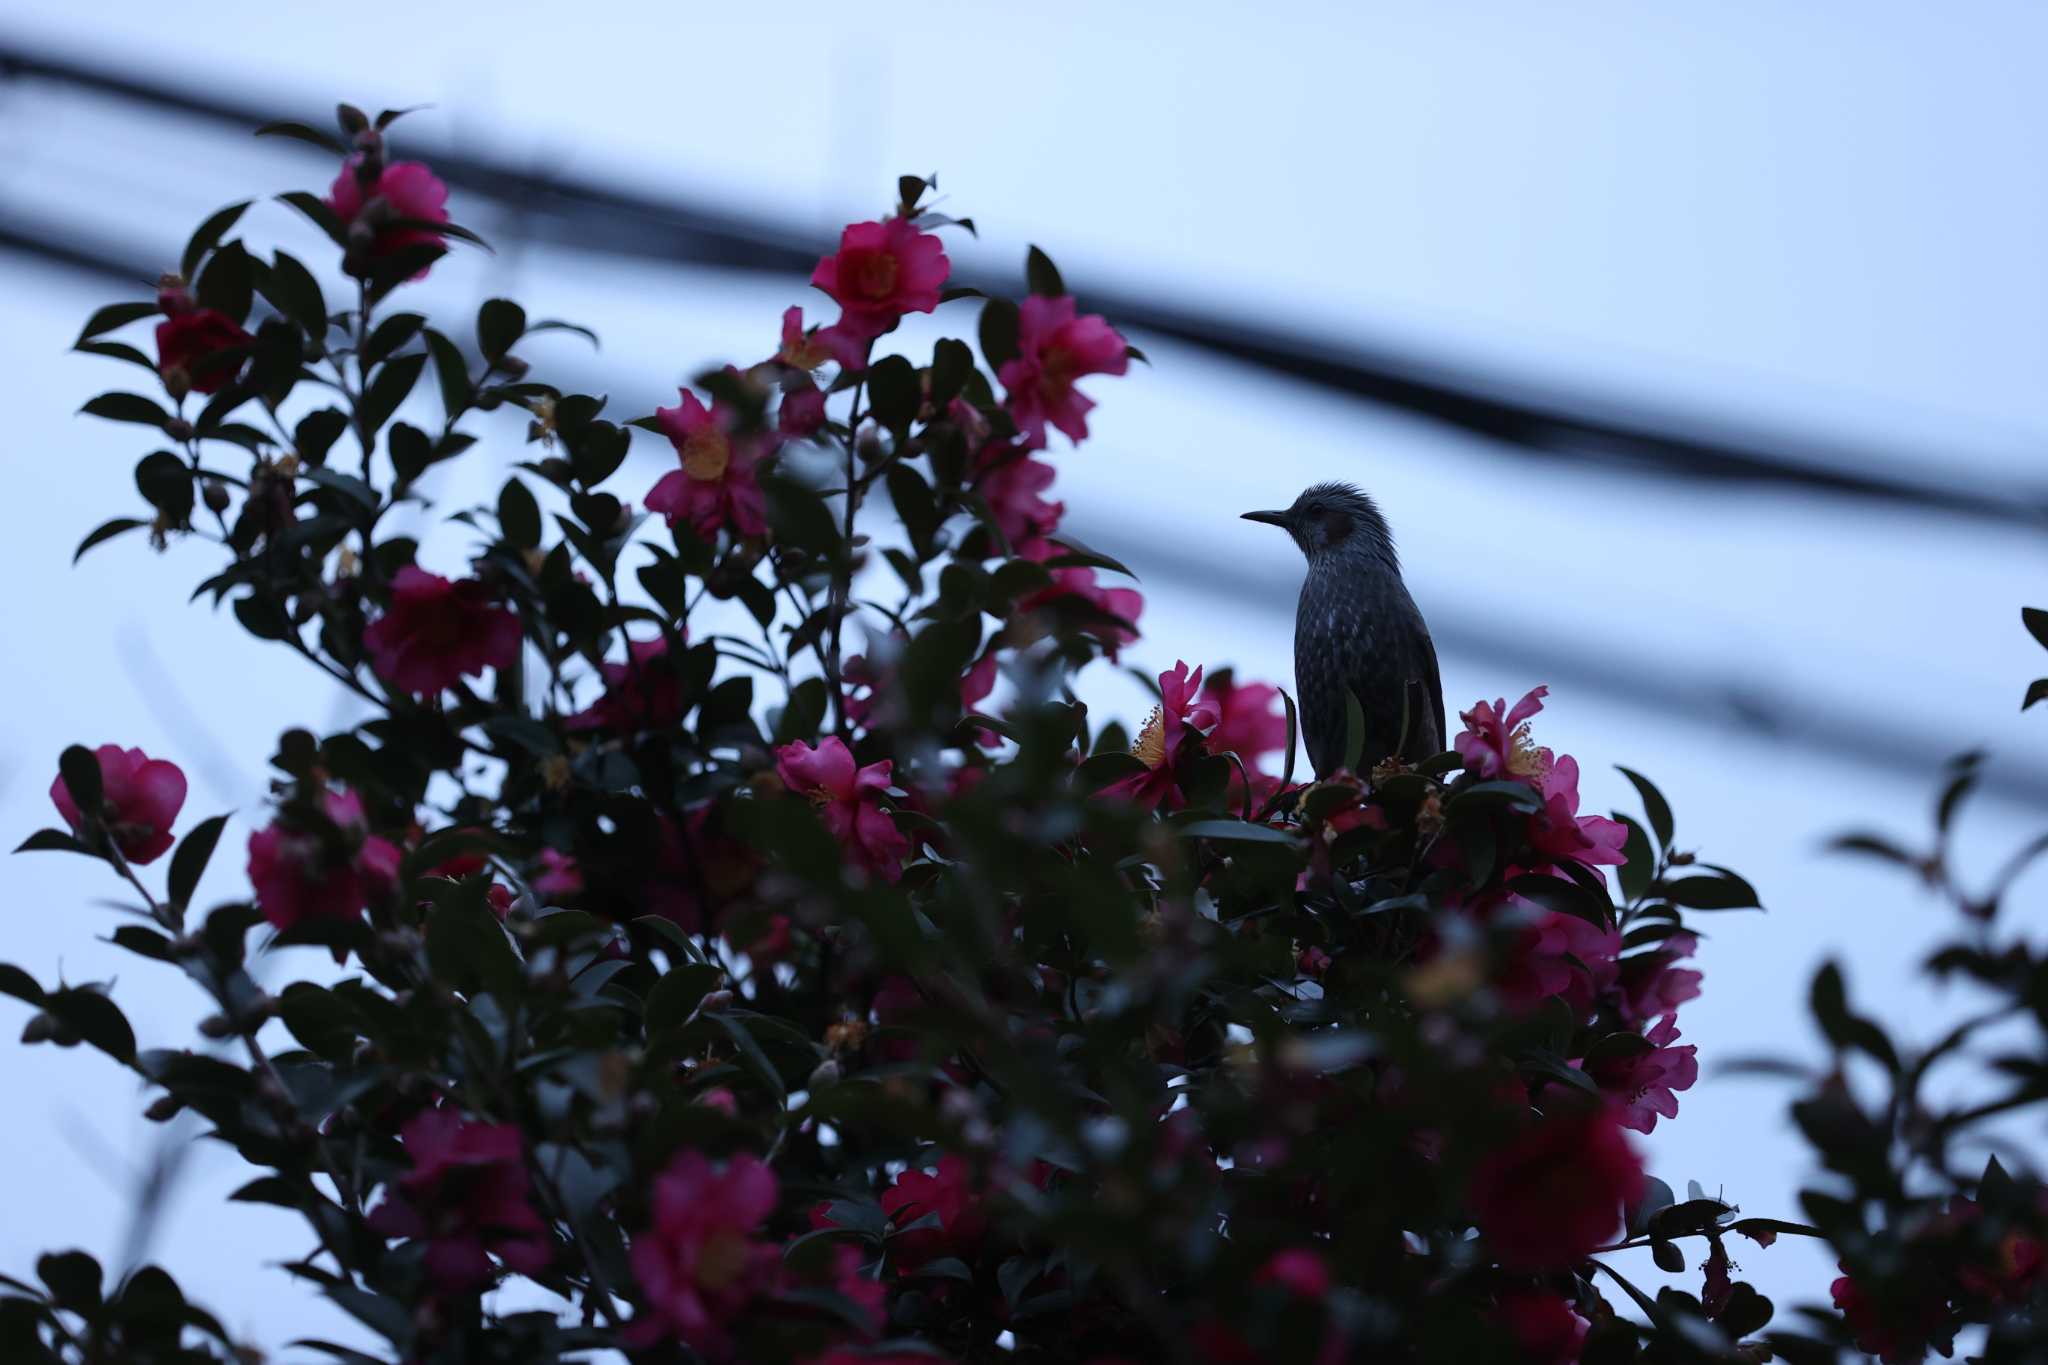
{"x": 1433, "y": 683}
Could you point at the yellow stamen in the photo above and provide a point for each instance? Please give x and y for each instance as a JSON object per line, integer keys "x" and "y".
{"x": 705, "y": 456}
{"x": 1524, "y": 758}
{"x": 1151, "y": 746}
{"x": 878, "y": 275}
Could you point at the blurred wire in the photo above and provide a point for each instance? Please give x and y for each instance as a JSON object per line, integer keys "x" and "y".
{"x": 589, "y": 217}
{"x": 593, "y": 217}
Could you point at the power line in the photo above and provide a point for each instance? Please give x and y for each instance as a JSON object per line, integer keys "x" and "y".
{"x": 1525, "y": 419}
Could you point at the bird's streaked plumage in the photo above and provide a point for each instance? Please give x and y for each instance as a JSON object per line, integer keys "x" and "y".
{"x": 1357, "y": 631}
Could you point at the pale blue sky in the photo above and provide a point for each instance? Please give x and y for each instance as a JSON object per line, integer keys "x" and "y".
{"x": 1823, "y": 218}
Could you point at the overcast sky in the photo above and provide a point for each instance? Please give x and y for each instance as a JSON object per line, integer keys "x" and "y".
{"x": 1822, "y": 219}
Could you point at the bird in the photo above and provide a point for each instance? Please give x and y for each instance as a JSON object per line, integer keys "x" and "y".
{"x": 1357, "y": 632}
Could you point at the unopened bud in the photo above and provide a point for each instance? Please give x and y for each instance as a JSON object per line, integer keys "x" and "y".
{"x": 164, "y": 1108}
{"x": 826, "y": 1073}
{"x": 217, "y": 1026}
{"x": 353, "y": 120}
{"x": 177, "y": 383}
{"x": 216, "y": 495}
{"x": 512, "y": 365}
{"x": 178, "y": 429}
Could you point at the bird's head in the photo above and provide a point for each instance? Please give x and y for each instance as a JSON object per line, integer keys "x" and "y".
{"x": 1332, "y": 521}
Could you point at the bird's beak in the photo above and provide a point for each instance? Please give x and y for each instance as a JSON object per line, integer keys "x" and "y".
{"x": 1270, "y": 518}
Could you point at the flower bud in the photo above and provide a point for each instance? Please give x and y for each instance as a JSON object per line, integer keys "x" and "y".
{"x": 41, "y": 1028}
{"x": 513, "y": 366}
{"x": 826, "y": 1073}
{"x": 178, "y": 429}
{"x": 164, "y": 1108}
{"x": 217, "y": 1026}
{"x": 216, "y": 495}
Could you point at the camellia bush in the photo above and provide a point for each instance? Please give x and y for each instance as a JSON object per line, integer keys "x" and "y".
{"x": 729, "y": 923}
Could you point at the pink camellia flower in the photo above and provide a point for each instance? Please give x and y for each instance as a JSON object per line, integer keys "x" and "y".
{"x": 437, "y": 632}
{"x": 1251, "y": 723}
{"x": 698, "y": 1264}
{"x": 558, "y": 877}
{"x": 1076, "y": 581}
{"x": 1562, "y": 834}
{"x": 1554, "y": 1192}
{"x": 845, "y": 797}
{"x": 640, "y": 693}
{"x": 718, "y": 484}
{"x": 140, "y": 798}
{"x": 978, "y": 681}
{"x": 1496, "y": 744}
{"x": 1299, "y": 1270}
{"x": 802, "y": 411}
{"x": 405, "y": 196}
{"x": 880, "y": 272}
{"x": 194, "y": 344}
{"x": 799, "y": 349}
{"x": 1645, "y": 1083}
{"x": 299, "y": 874}
{"x": 466, "y": 1197}
{"x": 1055, "y": 348}
{"x": 952, "y": 1194}
{"x": 1011, "y": 481}
{"x": 1544, "y": 1326}
{"x": 1651, "y": 986}
{"x": 1177, "y": 716}
{"x": 1558, "y": 956}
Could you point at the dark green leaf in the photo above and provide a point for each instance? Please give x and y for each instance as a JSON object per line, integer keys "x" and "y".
{"x": 188, "y": 864}
{"x": 393, "y": 382}
{"x": 74, "y": 1280}
{"x": 519, "y": 514}
{"x": 453, "y": 372}
{"x": 112, "y": 316}
{"x": 1654, "y": 805}
{"x": 1239, "y": 831}
{"x": 165, "y": 482}
{"x": 326, "y": 142}
{"x": 998, "y": 332}
{"x": 318, "y": 211}
{"x": 1042, "y": 275}
{"x": 1710, "y": 893}
{"x": 229, "y": 282}
{"x": 105, "y": 531}
{"x": 297, "y": 295}
{"x": 499, "y": 325}
{"x": 317, "y": 432}
{"x": 127, "y": 407}
{"x": 53, "y": 841}
{"x": 2036, "y": 622}
{"x": 894, "y": 393}
{"x": 80, "y": 768}
{"x": 391, "y": 334}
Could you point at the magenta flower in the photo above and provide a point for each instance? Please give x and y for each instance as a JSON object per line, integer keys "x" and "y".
{"x": 1011, "y": 482}
{"x": 1178, "y": 716}
{"x": 193, "y": 344}
{"x": 140, "y": 798}
{"x": 799, "y": 350}
{"x": 802, "y": 411}
{"x": 1544, "y": 1326}
{"x": 405, "y": 196}
{"x": 698, "y": 1264}
{"x": 880, "y": 272}
{"x": 466, "y": 1198}
{"x": 558, "y": 877}
{"x": 435, "y": 633}
{"x": 1298, "y": 1270}
{"x": 1118, "y": 608}
{"x": 1562, "y": 956}
{"x": 845, "y": 798}
{"x": 1562, "y": 834}
{"x": 949, "y": 1192}
{"x": 1652, "y": 986}
{"x": 1645, "y": 1083}
{"x": 1054, "y": 349}
{"x": 978, "y": 681}
{"x": 718, "y": 485}
{"x": 303, "y": 874}
{"x": 640, "y": 693}
{"x": 1552, "y": 1193}
{"x": 1496, "y": 743}
{"x": 1251, "y": 720}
